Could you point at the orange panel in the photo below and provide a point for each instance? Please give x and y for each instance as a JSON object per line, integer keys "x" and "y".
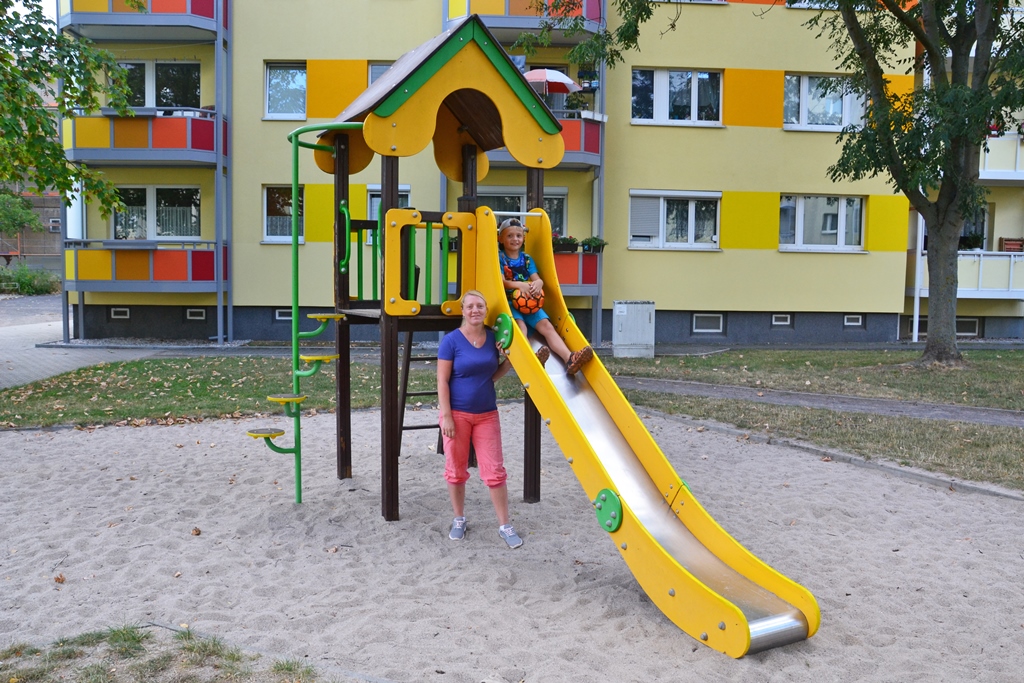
{"x": 521, "y": 8}
{"x": 753, "y": 97}
{"x": 131, "y": 265}
{"x": 170, "y": 265}
{"x": 131, "y": 132}
{"x": 571, "y": 134}
{"x": 567, "y": 267}
{"x": 122, "y": 6}
{"x": 170, "y": 132}
{"x": 332, "y": 84}
{"x": 169, "y": 6}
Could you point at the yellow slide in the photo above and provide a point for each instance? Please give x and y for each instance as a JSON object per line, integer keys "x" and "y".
{"x": 699, "y": 576}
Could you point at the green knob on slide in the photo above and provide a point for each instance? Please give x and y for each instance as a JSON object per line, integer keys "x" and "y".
{"x": 503, "y": 330}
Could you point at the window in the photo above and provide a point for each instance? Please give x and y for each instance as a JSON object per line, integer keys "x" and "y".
{"x": 373, "y": 204}
{"x": 811, "y": 102}
{"x": 673, "y": 220}
{"x": 853, "y": 320}
{"x": 157, "y": 213}
{"x": 286, "y": 91}
{"x": 120, "y": 313}
{"x": 378, "y": 70}
{"x": 821, "y": 223}
{"x": 277, "y": 213}
{"x": 782, "y": 320}
{"x": 708, "y": 323}
{"x": 677, "y": 97}
{"x": 195, "y": 314}
{"x": 172, "y": 85}
{"x": 514, "y": 199}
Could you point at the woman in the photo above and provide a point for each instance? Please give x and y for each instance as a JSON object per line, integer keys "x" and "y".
{"x": 469, "y": 362}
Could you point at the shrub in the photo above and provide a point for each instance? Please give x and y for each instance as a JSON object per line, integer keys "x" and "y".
{"x": 28, "y": 281}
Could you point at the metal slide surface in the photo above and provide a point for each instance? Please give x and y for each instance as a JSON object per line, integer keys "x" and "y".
{"x": 698, "y": 575}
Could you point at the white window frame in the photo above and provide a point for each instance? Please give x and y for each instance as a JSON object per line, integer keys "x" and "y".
{"x": 197, "y": 314}
{"x": 853, "y": 107}
{"x": 660, "y": 243}
{"x": 284, "y": 239}
{"x": 840, "y": 231}
{"x": 719, "y": 330}
{"x": 550, "y": 192}
{"x": 373, "y": 195}
{"x": 782, "y": 319}
{"x": 853, "y": 320}
{"x": 120, "y": 313}
{"x": 151, "y": 227}
{"x": 379, "y": 67}
{"x": 282, "y": 314}
{"x": 661, "y": 98}
{"x": 267, "y": 114}
{"x": 150, "y": 65}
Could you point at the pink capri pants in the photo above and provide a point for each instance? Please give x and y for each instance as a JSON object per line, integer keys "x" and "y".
{"x": 484, "y": 431}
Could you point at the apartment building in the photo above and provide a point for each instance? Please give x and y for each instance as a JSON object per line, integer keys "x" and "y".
{"x": 701, "y": 160}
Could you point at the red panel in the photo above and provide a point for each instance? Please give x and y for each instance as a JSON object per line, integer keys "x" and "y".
{"x": 571, "y": 134}
{"x": 589, "y": 269}
{"x": 170, "y": 132}
{"x": 567, "y": 268}
{"x": 170, "y": 265}
{"x": 202, "y": 134}
{"x": 592, "y": 137}
{"x": 169, "y": 7}
{"x": 203, "y": 8}
{"x": 224, "y": 266}
{"x": 224, "y": 13}
{"x": 593, "y": 10}
{"x": 202, "y": 266}
{"x": 224, "y": 138}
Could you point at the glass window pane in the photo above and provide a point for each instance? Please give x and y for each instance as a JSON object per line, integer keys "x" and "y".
{"x": 131, "y": 223}
{"x": 643, "y": 94}
{"x": 854, "y": 221}
{"x": 709, "y": 88}
{"x": 279, "y": 212}
{"x": 677, "y": 221}
{"x": 136, "y": 76}
{"x": 177, "y": 212}
{"x": 823, "y": 108}
{"x": 286, "y": 89}
{"x": 679, "y": 95}
{"x": 555, "y": 208}
{"x": 177, "y": 85}
{"x": 704, "y": 220}
{"x": 821, "y": 220}
{"x": 787, "y": 220}
{"x": 501, "y": 202}
{"x": 791, "y": 100}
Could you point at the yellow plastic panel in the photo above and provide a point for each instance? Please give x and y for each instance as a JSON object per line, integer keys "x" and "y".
{"x": 458, "y": 8}
{"x": 319, "y": 216}
{"x": 69, "y": 264}
{"x": 410, "y": 129}
{"x": 448, "y": 141}
{"x": 332, "y": 84}
{"x": 886, "y": 220}
{"x": 752, "y": 97}
{"x": 92, "y": 132}
{"x": 91, "y": 6}
{"x": 67, "y": 127}
{"x": 95, "y": 264}
{"x": 750, "y": 220}
{"x": 487, "y": 7}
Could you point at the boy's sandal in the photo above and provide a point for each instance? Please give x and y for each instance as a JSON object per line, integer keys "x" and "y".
{"x": 578, "y": 359}
{"x": 543, "y": 353}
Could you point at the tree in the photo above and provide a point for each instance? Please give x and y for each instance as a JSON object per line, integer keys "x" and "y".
{"x": 970, "y": 68}
{"x": 16, "y": 214}
{"x": 39, "y": 65}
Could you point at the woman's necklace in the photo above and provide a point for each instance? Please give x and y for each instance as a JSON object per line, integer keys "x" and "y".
{"x": 477, "y": 343}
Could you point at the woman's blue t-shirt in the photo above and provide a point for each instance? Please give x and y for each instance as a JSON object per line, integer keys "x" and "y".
{"x": 470, "y": 385}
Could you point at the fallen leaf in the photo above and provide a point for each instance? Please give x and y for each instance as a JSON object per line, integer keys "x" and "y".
{"x": 700, "y": 429}
{"x": 332, "y": 549}
{"x": 196, "y": 531}
{"x": 826, "y": 459}
{"x": 59, "y": 578}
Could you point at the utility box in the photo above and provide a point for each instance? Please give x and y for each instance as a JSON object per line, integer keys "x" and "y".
{"x": 633, "y": 329}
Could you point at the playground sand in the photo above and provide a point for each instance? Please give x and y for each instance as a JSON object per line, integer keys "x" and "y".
{"x": 196, "y": 524}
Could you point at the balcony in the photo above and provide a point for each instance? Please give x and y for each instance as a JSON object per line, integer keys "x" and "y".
{"x": 581, "y": 131}
{"x": 180, "y": 136}
{"x": 170, "y": 20}
{"x": 506, "y": 19}
{"x": 1003, "y": 163}
{"x": 980, "y": 275}
{"x": 143, "y": 266}
{"x": 578, "y": 273}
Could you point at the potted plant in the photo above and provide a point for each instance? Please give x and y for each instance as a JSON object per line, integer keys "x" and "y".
{"x": 972, "y": 241}
{"x": 564, "y": 243}
{"x": 593, "y": 245}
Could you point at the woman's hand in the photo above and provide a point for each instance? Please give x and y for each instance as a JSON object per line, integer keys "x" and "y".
{"x": 448, "y": 426}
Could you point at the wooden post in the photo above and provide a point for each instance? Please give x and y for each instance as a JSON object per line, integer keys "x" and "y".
{"x": 342, "y": 328}
{"x": 390, "y": 426}
{"x": 531, "y": 417}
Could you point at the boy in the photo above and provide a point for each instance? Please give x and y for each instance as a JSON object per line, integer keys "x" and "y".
{"x": 519, "y": 272}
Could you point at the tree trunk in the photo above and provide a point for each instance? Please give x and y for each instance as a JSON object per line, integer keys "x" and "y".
{"x": 943, "y": 241}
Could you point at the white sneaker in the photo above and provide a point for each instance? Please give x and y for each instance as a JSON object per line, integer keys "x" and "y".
{"x": 458, "y": 531}
{"x": 509, "y": 535}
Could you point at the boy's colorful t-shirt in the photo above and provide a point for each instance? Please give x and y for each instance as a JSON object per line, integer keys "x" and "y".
{"x": 518, "y": 269}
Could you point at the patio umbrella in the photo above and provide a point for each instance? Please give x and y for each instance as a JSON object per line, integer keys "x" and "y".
{"x": 548, "y": 81}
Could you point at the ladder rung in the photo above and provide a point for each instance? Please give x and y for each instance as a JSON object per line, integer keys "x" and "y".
{"x": 286, "y": 398}
{"x": 421, "y": 393}
{"x": 265, "y": 433}
{"x": 405, "y": 427}
{"x": 326, "y": 316}
{"x": 414, "y": 359}
{"x": 325, "y": 358}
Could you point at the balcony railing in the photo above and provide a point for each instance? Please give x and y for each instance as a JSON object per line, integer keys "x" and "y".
{"x": 1003, "y": 162}
{"x": 582, "y": 135}
{"x": 506, "y": 19}
{"x": 184, "y": 20}
{"x": 980, "y": 275}
{"x": 143, "y": 266}
{"x": 180, "y": 135}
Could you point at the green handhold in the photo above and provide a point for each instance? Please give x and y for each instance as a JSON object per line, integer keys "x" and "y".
{"x": 503, "y": 330}
{"x": 609, "y": 511}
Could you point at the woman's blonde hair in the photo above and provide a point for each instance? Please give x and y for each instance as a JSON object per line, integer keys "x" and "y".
{"x": 473, "y": 292}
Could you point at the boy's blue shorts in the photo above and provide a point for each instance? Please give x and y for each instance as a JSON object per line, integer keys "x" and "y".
{"x": 531, "y": 319}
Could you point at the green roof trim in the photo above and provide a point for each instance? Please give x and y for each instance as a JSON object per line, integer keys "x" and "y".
{"x": 471, "y": 31}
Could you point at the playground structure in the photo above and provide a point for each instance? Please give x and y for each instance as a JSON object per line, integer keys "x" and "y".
{"x": 461, "y": 92}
